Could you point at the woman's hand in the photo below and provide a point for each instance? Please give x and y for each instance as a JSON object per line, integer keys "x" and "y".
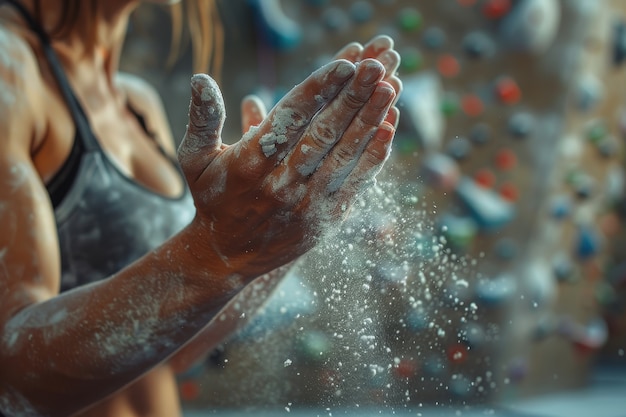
{"x": 381, "y": 48}
{"x": 265, "y": 200}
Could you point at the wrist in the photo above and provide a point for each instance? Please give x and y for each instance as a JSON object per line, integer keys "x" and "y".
{"x": 228, "y": 256}
{"x": 201, "y": 263}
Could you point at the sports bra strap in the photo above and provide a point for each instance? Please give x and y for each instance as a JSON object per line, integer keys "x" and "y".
{"x": 83, "y": 128}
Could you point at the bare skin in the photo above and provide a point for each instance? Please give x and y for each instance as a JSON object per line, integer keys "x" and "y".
{"x": 63, "y": 354}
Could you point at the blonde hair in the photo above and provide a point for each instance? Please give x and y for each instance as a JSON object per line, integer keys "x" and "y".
{"x": 206, "y": 32}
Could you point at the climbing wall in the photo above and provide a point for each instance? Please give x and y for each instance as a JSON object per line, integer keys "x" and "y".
{"x": 477, "y": 270}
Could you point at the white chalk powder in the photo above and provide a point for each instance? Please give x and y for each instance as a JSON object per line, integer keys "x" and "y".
{"x": 206, "y": 119}
{"x": 284, "y": 120}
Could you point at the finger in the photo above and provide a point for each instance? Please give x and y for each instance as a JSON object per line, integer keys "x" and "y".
{"x": 368, "y": 166}
{"x": 253, "y": 112}
{"x": 343, "y": 157}
{"x": 396, "y": 83}
{"x": 390, "y": 60}
{"x": 352, "y": 52}
{"x": 203, "y": 137}
{"x": 330, "y": 124}
{"x": 393, "y": 116}
{"x": 375, "y": 47}
{"x": 381, "y": 48}
{"x": 290, "y": 117}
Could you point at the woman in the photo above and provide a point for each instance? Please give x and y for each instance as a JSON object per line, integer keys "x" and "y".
{"x": 110, "y": 260}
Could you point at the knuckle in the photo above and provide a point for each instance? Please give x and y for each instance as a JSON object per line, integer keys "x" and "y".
{"x": 205, "y": 117}
{"x": 289, "y": 119}
{"x": 281, "y": 189}
{"x": 323, "y": 135}
{"x": 299, "y": 119}
{"x": 344, "y": 155}
{"x": 354, "y": 101}
{"x": 374, "y": 157}
{"x": 370, "y": 120}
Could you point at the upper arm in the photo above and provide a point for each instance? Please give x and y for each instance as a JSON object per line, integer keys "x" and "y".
{"x": 144, "y": 98}
{"x": 29, "y": 255}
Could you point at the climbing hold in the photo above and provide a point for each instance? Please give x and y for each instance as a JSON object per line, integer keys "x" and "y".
{"x": 448, "y": 66}
{"x": 496, "y": 9}
{"x": 459, "y": 231}
{"x": 457, "y": 353}
{"x": 487, "y": 208}
{"x": 480, "y": 133}
{"x": 507, "y": 90}
{"x": 496, "y": 291}
{"x": 361, "y": 11}
{"x": 410, "y": 59}
{"x": 335, "y": 19}
{"x": 560, "y": 207}
{"x": 587, "y": 242}
{"x": 563, "y": 268}
{"x": 619, "y": 43}
{"x": 409, "y": 19}
{"x": 405, "y": 368}
{"x": 588, "y": 92}
{"x": 531, "y": 26}
{"x": 477, "y": 45}
{"x": 521, "y": 125}
{"x": 459, "y": 148}
{"x": 421, "y": 103}
{"x": 506, "y": 160}
{"x": 449, "y": 104}
{"x": 509, "y": 192}
{"x": 440, "y": 171}
{"x": 472, "y": 105}
{"x": 434, "y": 38}
{"x": 485, "y": 178}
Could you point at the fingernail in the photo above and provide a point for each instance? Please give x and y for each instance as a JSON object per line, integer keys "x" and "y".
{"x": 205, "y": 90}
{"x": 370, "y": 71}
{"x": 385, "y": 132}
{"x": 393, "y": 117}
{"x": 382, "y": 42}
{"x": 343, "y": 70}
{"x": 206, "y": 110}
{"x": 390, "y": 60}
{"x": 352, "y": 51}
{"x": 382, "y": 96}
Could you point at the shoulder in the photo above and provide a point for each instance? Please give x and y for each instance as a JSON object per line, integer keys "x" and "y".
{"x": 21, "y": 88}
{"x": 145, "y": 99}
{"x": 18, "y": 63}
{"x": 23, "y": 121}
{"x": 138, "y": 89}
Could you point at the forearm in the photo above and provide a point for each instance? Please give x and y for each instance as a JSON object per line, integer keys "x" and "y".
{"x": 70, "y": 351}
{"x": 232, "y": 318}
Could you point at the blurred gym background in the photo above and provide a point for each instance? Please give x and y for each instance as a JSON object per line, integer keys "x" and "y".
{"x": 486, "y": 270}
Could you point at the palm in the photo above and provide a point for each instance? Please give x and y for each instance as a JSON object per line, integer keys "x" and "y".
{"x": 265, "y": 200}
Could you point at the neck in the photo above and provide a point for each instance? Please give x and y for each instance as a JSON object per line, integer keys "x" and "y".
{"x": 98, "y": 34}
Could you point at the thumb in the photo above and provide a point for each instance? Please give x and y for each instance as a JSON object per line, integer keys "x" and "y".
{"x": 203, "y": 138}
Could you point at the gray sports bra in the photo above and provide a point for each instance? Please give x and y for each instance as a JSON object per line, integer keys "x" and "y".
{"x": 105, "y": 220}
